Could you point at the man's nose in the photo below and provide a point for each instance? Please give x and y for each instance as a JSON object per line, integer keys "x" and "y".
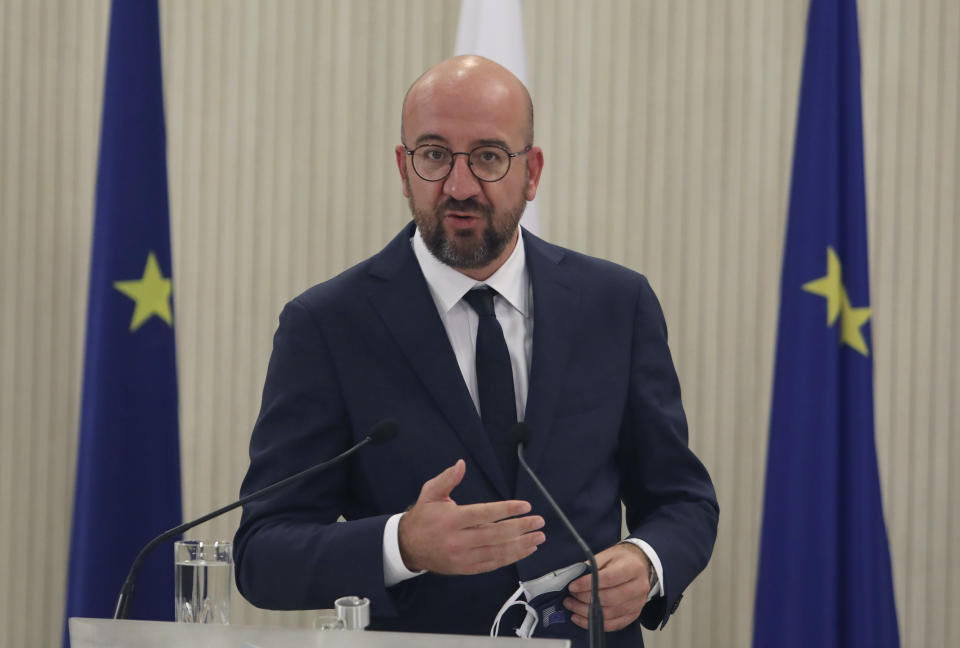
{"x": 460, "y": 183}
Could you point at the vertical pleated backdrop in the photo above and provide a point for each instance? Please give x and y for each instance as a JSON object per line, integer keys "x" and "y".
{"x": 668, "y": 134}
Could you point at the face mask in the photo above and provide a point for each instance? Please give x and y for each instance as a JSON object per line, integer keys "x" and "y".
{"x": 544, "y": 603}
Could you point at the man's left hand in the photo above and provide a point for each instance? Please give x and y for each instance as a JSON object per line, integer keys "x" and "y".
{"x": 624, "y": 583}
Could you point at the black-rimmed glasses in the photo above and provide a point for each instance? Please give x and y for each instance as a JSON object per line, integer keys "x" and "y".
{"x": 488, "y": 163}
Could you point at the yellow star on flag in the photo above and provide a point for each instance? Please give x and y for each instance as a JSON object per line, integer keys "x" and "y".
{"x": 151, "y": 294}
{"x": 838, "y": 304}
{"x": 830, "y": 286}
{"x": 851, "y": 319}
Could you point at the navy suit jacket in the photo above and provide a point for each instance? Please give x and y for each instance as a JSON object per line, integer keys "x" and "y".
{"x": 603, "y": 404}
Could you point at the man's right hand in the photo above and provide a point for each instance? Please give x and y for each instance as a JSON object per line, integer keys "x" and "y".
{"x": 440, "y": 536}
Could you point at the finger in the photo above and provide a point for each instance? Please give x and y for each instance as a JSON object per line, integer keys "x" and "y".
{"x": 629, "y": 609}
{"x": 576, "y": 606}
{"x": 630, "y": 593}
{"x": 485, "y": 559}
{"x": 582, "y": 585}
{"x": 583, "y": 597}
{"x": 503, "y": 531}
{"x": 614, "y": 618}
{"x": 585, "y": 582}
{"x": 613, "y": 572}
{"x": 509, "y": 551}
{"x": 619, "y": 622}
{"x": 476, "y": 514}
{"x": 631, "y": 590}
{"x": 440, "y": 487}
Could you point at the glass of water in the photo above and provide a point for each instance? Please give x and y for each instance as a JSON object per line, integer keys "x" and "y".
{"x": 202, "y": 581}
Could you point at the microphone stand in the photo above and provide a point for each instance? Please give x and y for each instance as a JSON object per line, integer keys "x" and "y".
{"x": 595, "y": 618}
{"x": 381, "y": 432}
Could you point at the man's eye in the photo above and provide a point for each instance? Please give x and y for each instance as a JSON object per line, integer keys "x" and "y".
{"x": 436, "y": 155}
{"x": 488, "y": 156}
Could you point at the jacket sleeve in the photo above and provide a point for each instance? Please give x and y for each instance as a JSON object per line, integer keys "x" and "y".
{"x": 669, "y": 497}
{"x": 290, "y": 551}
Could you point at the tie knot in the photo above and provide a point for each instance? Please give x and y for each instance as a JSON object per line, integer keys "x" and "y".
{"x": 481, "y": 300}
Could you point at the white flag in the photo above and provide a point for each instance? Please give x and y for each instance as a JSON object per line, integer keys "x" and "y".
{"x": 494, "y": 29}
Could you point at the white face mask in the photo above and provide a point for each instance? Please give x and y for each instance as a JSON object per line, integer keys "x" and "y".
{"x": 544, "y": 600}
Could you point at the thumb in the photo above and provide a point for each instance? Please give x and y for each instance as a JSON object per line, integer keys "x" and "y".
{"x": 440, "y": 487}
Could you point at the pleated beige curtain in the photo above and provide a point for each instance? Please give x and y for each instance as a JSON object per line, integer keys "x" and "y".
{"x": 668, "y": 134}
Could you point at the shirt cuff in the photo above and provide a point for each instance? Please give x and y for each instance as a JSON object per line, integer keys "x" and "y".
{"x": 658, "y": 589}
{"x": 394, "y": 571}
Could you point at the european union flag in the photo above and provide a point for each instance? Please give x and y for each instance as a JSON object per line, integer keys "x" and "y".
{"x": 824, "y": 578}
{"x": 128, "y": 465}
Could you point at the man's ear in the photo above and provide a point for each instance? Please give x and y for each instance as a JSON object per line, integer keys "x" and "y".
{"x": 401, "y": 153}
{"x": 534, "y": 169}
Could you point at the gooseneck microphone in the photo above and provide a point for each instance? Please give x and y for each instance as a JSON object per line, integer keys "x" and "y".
{"x": 380, "y": 433}
{"x": 521, "y": 434}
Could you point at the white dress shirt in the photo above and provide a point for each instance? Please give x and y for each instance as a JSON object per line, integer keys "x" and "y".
{"x": 514, "y": 309}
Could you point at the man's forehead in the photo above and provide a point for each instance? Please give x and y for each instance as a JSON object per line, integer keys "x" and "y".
{"x": 474, "y": 113}
{"x": 463, "y": 96}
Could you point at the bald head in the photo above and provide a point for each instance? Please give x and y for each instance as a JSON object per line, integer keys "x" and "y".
{"x": 467, "y": 84}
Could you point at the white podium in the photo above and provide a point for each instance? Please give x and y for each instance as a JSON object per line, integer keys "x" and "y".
{"x": 107, "y": 633}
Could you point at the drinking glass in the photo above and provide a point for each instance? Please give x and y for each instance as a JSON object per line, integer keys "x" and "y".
{"x": 202, "y": 581}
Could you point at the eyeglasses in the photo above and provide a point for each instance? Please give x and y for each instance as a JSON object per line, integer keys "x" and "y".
{"x": 488, "y": 163}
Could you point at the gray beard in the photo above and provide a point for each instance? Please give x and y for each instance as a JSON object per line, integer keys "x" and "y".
{"x": 471, "y": 255}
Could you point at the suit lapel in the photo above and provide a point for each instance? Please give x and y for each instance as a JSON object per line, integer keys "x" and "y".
{"x": 556, "y": 300}
{"x": 400, "y": 296}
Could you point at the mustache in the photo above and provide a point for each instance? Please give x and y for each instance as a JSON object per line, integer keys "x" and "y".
{"x": 467, "y": 205}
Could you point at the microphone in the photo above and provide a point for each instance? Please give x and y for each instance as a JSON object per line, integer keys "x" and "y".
{"x": 380, "y": 433}
{"x": 521, "y": 434}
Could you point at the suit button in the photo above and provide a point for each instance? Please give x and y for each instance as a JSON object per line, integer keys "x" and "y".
{"x": 676, "y": 604}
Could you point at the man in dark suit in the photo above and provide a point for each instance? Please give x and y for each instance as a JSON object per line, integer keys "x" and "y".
{"x": 440, "y": 525}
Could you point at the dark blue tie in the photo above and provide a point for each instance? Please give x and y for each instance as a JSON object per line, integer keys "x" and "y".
{"x": 498, "y": 409}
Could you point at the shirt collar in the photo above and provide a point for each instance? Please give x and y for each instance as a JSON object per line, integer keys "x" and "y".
{"x": 449, "y": 286}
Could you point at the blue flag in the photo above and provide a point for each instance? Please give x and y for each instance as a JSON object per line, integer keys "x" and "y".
{"x": 128, "y": 464}
{"x": 824, "y": 576}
